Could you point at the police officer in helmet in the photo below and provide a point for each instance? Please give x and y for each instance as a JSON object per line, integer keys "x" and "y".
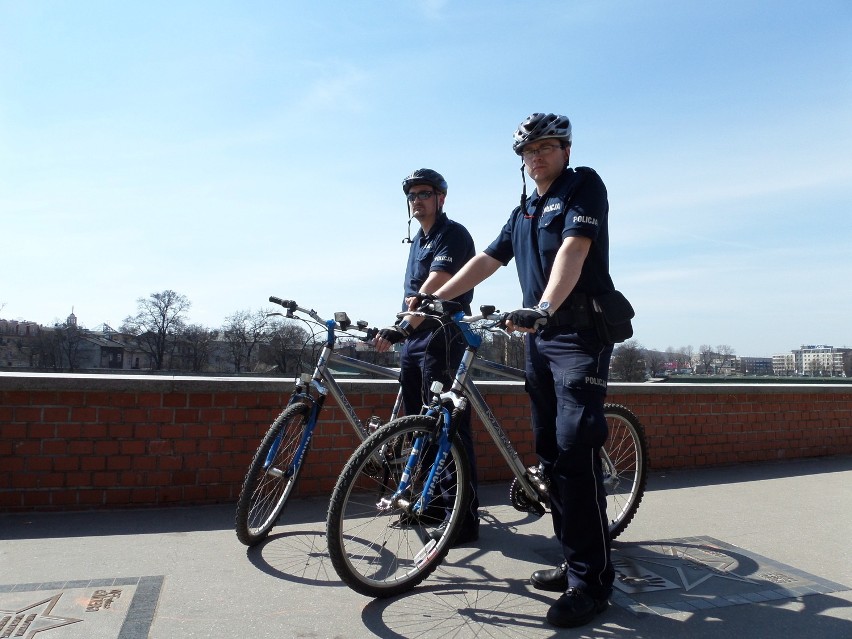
{"x": 559, "y": 240}
{"x": 429, "y": 352}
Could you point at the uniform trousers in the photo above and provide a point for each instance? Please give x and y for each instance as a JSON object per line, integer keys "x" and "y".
{"x": 566, "y": 377}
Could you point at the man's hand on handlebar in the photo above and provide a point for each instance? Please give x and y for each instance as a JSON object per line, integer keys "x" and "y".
{"x": 526, "y": 320}
{"x": 420, "y": 299}
{"x": 391, "y": 335}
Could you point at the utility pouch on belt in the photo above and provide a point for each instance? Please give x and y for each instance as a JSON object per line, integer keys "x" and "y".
{"x": 612, "y": 314}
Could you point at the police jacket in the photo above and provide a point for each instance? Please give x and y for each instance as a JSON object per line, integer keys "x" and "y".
{"x": 574, "y": 205}
{"x": 447, "y": 247}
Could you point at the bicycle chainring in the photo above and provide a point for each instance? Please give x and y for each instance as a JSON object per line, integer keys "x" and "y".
{"x": 520, "y": 500}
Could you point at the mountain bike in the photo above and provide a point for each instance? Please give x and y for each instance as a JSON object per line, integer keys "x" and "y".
{"x": 274, "y": 470}
{"x": 381, "y": 527}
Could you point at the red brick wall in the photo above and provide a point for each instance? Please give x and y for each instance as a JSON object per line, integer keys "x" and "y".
{"x": 76, "y": 441}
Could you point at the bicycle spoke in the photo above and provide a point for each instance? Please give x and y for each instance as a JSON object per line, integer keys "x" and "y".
{"x": 378, "y": 544}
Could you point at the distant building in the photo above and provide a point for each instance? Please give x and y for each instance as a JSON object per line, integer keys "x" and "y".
{"x": 67, "y": 346}
{"x": 755, "y": 365}
{"x": 784, "y": 365}
{"x": 812, "y": 360}
{"x": 14, "y": 334}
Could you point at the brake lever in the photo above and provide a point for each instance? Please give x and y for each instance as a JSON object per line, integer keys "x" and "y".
{"x": 499, "y": 326}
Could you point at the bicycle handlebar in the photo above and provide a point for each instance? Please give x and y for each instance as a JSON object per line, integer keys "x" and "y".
{"x": 443, "y": 309}
{"x": 341, "y": 319}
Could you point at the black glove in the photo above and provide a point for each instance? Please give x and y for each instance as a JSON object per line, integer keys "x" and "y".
{"x": 424, "y": 300}
{"x": 396, "y": 333}
{"x": 425, "y": 297}
{"x": 528, "y": 318}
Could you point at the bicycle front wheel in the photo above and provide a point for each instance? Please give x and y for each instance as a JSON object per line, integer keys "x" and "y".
{"x": 380, "y": 544}
{"x": 272, "y": 475}
{"x": 625, "y": 466}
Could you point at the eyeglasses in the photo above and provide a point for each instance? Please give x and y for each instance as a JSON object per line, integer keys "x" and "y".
{"x": 419, "y": 195}
{"x": 544, "y": 149}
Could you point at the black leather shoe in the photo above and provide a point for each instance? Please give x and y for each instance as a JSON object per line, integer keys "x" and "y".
{"x": 467, "y": 534}
{"x": 575, "y": 608}
{"x": 553, "y": 580}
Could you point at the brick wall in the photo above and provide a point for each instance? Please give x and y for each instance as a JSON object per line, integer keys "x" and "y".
{"x": 85, "y": 441}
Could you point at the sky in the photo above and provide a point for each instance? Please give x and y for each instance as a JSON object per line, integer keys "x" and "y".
{"x": 230, "y": 151}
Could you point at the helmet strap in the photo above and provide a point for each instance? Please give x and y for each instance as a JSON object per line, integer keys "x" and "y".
{"x": 408, "y": 239}
{"x": 524, "y": 191}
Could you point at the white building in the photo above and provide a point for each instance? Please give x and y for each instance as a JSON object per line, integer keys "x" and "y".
{"x": 812, "y": 360}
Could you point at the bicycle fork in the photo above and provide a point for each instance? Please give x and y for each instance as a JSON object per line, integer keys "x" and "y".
{"x": 401, "y": 496}
{"x": 304, "y": 442}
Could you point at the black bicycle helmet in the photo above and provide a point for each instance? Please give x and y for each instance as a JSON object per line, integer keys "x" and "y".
{"x": 425, "y": 176}
{"x": 540, "y": 126}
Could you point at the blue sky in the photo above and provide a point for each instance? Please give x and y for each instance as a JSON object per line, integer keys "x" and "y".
{"x": 234, "y": 150}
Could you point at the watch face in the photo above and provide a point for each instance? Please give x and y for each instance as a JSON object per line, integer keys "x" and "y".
{"x": 545, "y": 306}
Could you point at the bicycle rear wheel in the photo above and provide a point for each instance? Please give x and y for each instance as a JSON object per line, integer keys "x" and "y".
{"x": 625, "y": 466}
{"x": 272, "y": 475}
{"x": 378, "y": 545}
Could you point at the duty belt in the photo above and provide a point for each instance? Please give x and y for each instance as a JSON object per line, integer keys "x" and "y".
{"x": 575, "y": 312}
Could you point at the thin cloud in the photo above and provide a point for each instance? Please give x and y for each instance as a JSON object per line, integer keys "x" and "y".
{"x": 342, "y": 89}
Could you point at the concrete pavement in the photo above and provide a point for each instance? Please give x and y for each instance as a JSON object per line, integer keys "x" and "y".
{"x": 748, "y": 552}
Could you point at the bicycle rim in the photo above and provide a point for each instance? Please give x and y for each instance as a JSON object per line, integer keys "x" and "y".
{"x": 381, "y": 548}
{"x": 625, "y": 466}
{"x": 270, "y": 482}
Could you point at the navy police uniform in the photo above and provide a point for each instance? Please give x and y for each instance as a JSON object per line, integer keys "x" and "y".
{"x": 428, "y": 355}
{"x": 567, "y": 366}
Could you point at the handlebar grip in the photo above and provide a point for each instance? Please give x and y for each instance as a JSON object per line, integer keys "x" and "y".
{"x": 290, "y": 305}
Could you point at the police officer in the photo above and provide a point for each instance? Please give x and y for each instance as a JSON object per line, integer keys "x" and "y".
{"x": 560, "y": 242}
{"x": 440, "y": 248}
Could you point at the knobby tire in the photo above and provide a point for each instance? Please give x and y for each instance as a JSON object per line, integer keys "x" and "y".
{"x": 625, "y": 466}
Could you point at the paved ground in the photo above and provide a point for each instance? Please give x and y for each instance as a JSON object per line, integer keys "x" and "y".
{"x": 746, "y": 552}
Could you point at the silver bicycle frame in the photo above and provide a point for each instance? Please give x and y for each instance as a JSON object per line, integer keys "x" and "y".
{"x": 492, "y": 425}
{"x": 323, "y": 380}
{"x": 332, "y": 388}
{"x": 325, "y": 384}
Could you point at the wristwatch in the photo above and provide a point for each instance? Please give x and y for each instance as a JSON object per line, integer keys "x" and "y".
{"x": 544, "y": 307}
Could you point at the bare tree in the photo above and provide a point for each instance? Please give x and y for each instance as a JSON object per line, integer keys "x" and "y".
{"x": 160, "y": 318}
{"x": 48, "y": 351}
{"x": 286, "y": 347}
{"x": 57, "y": 348}
{"x": 195, "y": 346}
{"x": 655, "y": 361}
{"x": 685, "y": 357}
{"x": 628, "y": 363}
{"x": 242, "y": 332}
{"x": 706, "y": 357}
{"x": 680, "y": 358}
{"x": 726, "y": 356}
{"x": 70, "y": 340}
{"x": 814, "y": 367}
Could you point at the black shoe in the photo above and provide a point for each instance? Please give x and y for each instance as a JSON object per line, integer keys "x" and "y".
{"x": 553, "y": 580}
{"x": 468, "y": 534}
{"x": 575, "y": 608}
